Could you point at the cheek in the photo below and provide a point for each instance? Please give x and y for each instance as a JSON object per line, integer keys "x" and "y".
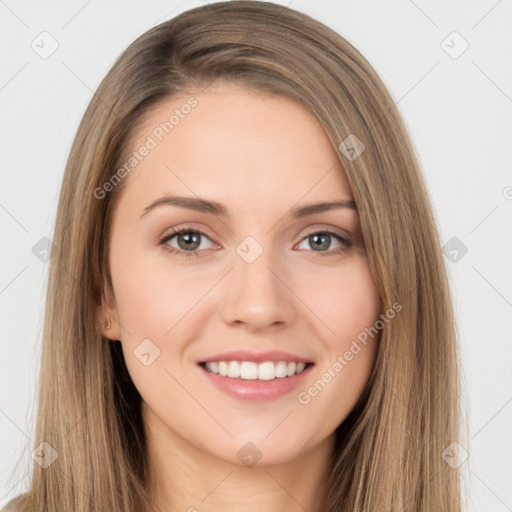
{"x": 348, "y": 303}
{"x": 152, "y": 303}
{"x": 152, "y": 297}
{"x": 350, "y": 307}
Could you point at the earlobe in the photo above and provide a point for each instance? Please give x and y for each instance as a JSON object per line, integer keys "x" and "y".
{"x": 103, "y": 324}
{"x": 107, "y": 325}
{"x": 108, "y": 329}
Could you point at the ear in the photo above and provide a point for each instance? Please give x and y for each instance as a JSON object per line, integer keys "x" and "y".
{"x": 107, "y": 317}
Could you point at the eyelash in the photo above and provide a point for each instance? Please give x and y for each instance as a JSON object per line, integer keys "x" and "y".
{"x": 345, "y": 244}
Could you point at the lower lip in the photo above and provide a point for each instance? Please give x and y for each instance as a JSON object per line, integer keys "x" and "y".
{"x": 257, "y": 390}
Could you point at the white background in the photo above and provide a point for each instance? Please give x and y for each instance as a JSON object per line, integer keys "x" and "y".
{"x": 458, "y": 112}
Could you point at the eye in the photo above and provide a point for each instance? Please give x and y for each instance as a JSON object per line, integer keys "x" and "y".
{"x": 321, "y": 240}
{"x": 187, "y": 242}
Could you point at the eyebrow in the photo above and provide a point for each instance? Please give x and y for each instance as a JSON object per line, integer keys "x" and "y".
{"x": 215, "y": 208}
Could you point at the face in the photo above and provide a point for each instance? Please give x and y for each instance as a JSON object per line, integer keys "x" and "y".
{"x": 253, "y": 281}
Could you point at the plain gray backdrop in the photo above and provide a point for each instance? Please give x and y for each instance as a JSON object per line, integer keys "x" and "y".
{"x": 446, "y": 64}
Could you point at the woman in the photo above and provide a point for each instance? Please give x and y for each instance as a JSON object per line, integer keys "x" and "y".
{"x": 305, "y": 357}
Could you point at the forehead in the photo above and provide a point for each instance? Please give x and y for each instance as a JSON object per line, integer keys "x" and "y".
{"x": 231, "y": 142}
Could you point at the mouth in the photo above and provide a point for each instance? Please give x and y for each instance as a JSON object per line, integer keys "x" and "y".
{"x": 252, "y": 371}
{"x": 254, "y": 382}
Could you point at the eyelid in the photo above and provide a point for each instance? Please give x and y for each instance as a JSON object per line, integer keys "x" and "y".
{"x": 344, "y": 234}
{"x": 328, "y": 228}
{"x": 165, "y": 239}
{"x": 187, "y": 227}
{"x": 345, "y": 241}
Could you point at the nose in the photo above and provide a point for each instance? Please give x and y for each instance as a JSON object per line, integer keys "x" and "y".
{"x": 257, "y": 295}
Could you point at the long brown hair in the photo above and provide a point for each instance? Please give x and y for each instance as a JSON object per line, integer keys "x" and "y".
{"x": 388, "y": 452}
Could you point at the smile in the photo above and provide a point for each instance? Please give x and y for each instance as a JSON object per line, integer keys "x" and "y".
{"x": 249, "y": 370}
{"x": 255, "y": 382}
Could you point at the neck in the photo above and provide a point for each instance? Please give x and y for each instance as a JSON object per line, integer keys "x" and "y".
{"x": 182, "y": 477}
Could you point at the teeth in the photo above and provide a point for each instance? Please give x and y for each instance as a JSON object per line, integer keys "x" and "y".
{"x": 249, "y": 370}
{"x": 223, "y": 368}
{"x": 233, "y": 370}
{"x": 281, "y": 368}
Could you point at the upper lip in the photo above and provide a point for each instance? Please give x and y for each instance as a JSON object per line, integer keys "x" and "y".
{"x": 256, "y": 357}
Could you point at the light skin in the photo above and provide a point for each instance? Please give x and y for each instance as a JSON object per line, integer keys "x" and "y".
{"x": 261, "y": 156}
